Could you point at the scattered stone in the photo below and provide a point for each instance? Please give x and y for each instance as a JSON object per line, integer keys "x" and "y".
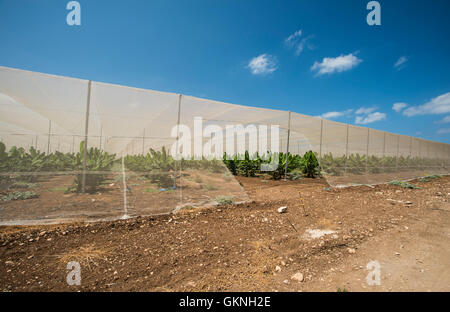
{"x": 277, "y": 269}
{"x": 265, "y": 220}
{"x": 351, "y": 250}
{"x": 282, "y": 209}
{"x": 9, "y": 262}
{"x": 297, "y": 277}
{"x": 190, "y": 284}
{"x": 286, "y": 281}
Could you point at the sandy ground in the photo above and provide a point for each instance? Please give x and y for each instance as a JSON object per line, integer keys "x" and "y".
{"x": 415, "y": 257}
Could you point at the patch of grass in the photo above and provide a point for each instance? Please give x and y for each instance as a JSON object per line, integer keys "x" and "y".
{"x": 210, "y": 187}
{"x": 150, "y": 190}
{"x": 404, "y": 184}
{"x": 198, "y": 180}
{"x": 224, "y": 200}
{"x": 85, "y": 255}
{"x": 22, "y": 185}
{"x": 429, "y": 178}
{"x": 342, "y": 290}
{"x": 19, "y": 196}
{"x": 58, "y": 189}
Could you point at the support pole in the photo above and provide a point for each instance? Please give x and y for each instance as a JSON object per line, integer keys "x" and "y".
{"x": 367, "y": 150}
{"x": 398, "y": 147}
{"x": 384, "y": 151}
{"x": 73, "y": 144}
{"x": 143, "y": 142}
{"x": 346, "y": 150}
{"x": 321, "y": 133}
{"x": 49, "y": 134}
{"x": 101, "y": 133}
{"x": 420, "y": 156}
{"x": 176, "y": 145}
{"x": 35, "y": 143}
{"x": 287, "y": 146}
{"x": 86, "y": 132}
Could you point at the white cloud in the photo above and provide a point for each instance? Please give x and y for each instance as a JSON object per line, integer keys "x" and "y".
{"x": 291, "y": 39}
{"x": 332, "y": 115}
{"x": 443, "y": 131}
{"x": 446, "y": 119}
{"x": 263, "y": 64}
{"x": 338, "y": 64}
{"x": 299, "y": 44}
{"x": 370, "y": 118}
{"x": 438, "y": 105}
{"x": 365, "y": 111}
{"x": 401, "y": 63}
{"x": 399, "y": 106}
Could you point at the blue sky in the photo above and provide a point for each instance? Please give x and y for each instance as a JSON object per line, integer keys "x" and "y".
{"x": 312, "y": 57}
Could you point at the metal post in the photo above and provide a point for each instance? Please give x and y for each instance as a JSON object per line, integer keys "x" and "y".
{"x": 367, "y": 150}
{"x": 101, "y": 133}
{"x": 410, "y": 149}
{"x": 321, "y": 132}
{"x": 443, "y": 156}
{"x": 86, "y": 132}
{"x": 420, "y": 156}
{"x": 287, "y": 146}
{"x": 176, "y": 145}
{"x": 49, "y": 134}
{"x": 143, "y": 142}
{"x": 398, "y": 147}
{"x": 384, "y": 151}
{"x": 346, "y": 151}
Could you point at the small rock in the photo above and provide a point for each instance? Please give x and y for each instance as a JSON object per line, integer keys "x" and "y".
{"x": 265, "y": 220}
{"x": 190, "y": 284}
{"x": 286, "y": 281}
{"x": 351, "y": 250}
{"x": 277, "y": 269}
{"x": 297, "y": 277}
{"x": 9, "y": 262}
{"x": 282, "y": 209}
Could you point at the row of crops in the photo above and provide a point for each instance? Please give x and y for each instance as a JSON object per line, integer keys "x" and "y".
{"x": 162, "y": 169}
{"x": 27, "y": 164}
{"x": 362, "y": 164}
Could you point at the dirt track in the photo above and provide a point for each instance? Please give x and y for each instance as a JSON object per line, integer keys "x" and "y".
{"x": 249, "y": 247}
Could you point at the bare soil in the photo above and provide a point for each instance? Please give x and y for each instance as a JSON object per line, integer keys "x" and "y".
{"x": 249, "y": 247}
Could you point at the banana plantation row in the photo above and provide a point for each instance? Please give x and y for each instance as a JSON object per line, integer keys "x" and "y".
{"x": 162, "y": 169}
